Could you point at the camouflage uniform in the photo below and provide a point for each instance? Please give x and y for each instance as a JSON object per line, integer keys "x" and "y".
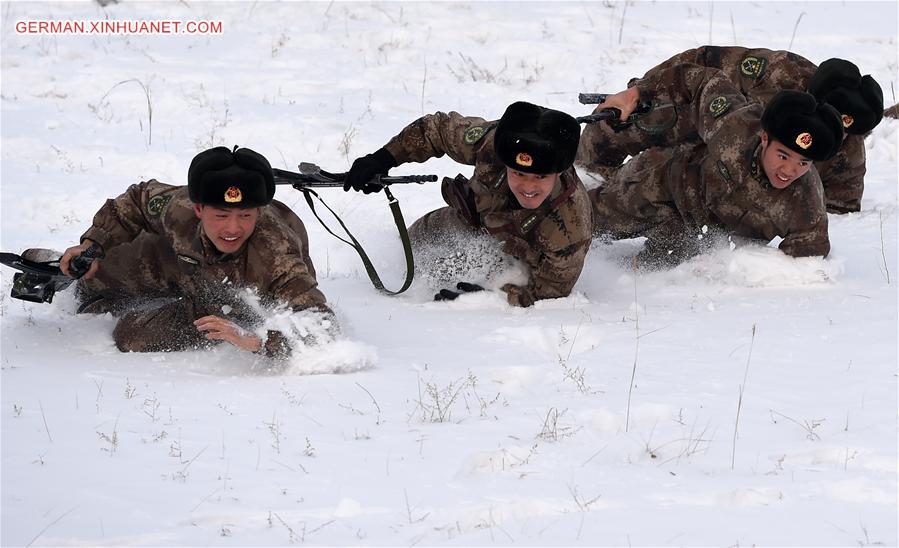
{"x": 552, "y": 239}
{"x": 759, "y": 73}
{"x": 669, "y": 194}
{"x": 162, "y": 272}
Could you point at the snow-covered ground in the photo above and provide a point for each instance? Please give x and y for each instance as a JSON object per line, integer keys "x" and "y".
{"x": 742, "y": 398}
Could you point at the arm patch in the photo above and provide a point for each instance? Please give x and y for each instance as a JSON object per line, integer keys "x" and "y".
{"x": 474, "y": 134}
{"x": 753, "y": 67}
{"x": 157, "y": 203}
{"x": 719, "y": 106}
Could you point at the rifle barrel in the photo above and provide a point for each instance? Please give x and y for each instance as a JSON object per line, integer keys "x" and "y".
{"x": 310, "y": 184}
{"x": 319, "y": 180}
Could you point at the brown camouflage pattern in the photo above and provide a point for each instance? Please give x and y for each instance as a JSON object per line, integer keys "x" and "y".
{"x": 158, "y": 255}
{"x": 669, "y": 194}
{"x": 759, "y": 74}
{"x": 552, "y": 240}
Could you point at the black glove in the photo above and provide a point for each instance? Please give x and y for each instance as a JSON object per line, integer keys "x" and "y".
{"x": 366, "y": 168}
{"x": 462, "y": 287}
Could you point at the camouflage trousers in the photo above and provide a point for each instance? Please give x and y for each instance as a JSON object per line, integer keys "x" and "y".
{"x": 637, "y": 202}
{"x": 137, "y": 282}
{"x": 448, "y": 249}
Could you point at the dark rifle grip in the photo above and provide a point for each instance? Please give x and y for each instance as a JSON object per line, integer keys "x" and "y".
{"x": 80, "y": 264}
{"x": 604, "y": 114}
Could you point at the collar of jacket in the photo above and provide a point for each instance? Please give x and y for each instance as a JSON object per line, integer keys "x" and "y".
{"x": 201, "y": 251}
{"x": 755, "y": 165}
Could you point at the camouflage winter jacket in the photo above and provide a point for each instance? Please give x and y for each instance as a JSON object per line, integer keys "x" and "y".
{"x": 720, "y": 182}
{"x": 274, "y": 260}
{"x": 552, "y": 239}
{"x": 761, "y": 73}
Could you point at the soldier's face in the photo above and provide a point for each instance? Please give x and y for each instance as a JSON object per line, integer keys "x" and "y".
{"x": 530, "y": 189}
{"x": 227, "y": 228}
{"x": 782, "y": 166}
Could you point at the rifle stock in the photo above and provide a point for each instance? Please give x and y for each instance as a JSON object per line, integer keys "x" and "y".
{"x": 38, "y": 280}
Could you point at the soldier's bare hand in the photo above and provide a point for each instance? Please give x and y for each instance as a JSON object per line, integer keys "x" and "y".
{"x": 220, "y": 329}
{"x": 66, "y": 260}
{"x": 625, "y": 101}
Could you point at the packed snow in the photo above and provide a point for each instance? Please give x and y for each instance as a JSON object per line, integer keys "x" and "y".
{"x": 741, "y": 398}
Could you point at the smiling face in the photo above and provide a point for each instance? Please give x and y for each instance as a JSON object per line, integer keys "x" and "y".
{"x": 782, "y": 166}
{"x": 530, "y": 189}
{"x": 227, "y": 228}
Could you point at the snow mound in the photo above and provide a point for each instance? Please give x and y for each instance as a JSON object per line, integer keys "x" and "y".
{"x": 757, "y": 266}
{"x": 338, "y": 356}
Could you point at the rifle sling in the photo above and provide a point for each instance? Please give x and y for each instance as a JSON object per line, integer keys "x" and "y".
{"x": 369, "y": 267}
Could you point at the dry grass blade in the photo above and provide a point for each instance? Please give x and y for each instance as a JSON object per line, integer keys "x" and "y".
{"x": 733, "y": 453}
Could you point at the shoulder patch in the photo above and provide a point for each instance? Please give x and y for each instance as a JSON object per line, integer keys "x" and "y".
{"x": 722, "y": 169}
{"x": 474, "y": 134}
{"x": 157, "y": 204}
{"x": 719, "y": 106}
{"x": 753, "y": 67}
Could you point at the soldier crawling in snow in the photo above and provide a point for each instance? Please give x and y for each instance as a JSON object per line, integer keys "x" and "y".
{"x": 523, "y": 192}
{"x": 749, "y": 174}
{"x": 177, "y": 260}
{"x": 759, "y": 74}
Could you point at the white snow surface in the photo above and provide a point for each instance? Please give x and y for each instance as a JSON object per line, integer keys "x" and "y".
{"x": 742, "y": 398}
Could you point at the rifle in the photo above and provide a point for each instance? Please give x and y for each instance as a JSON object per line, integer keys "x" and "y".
{"x": 613, "y": 114}
{"x": 40, "y": 277}
{"x": 311, "y": 176}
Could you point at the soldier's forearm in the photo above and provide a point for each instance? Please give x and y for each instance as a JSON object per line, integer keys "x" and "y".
{"x": 535, "y": 290}
{"x": 275, "y": 346}
{"x": 121, "y": 219}
{"x": 518, "y": 295}
{"x": 434, "y": 135}
{"x": 556, "y": 276}
{"x": 416, "y": 142}
{"x": 104, "y": 230}
{"x": 802, "y": 247}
